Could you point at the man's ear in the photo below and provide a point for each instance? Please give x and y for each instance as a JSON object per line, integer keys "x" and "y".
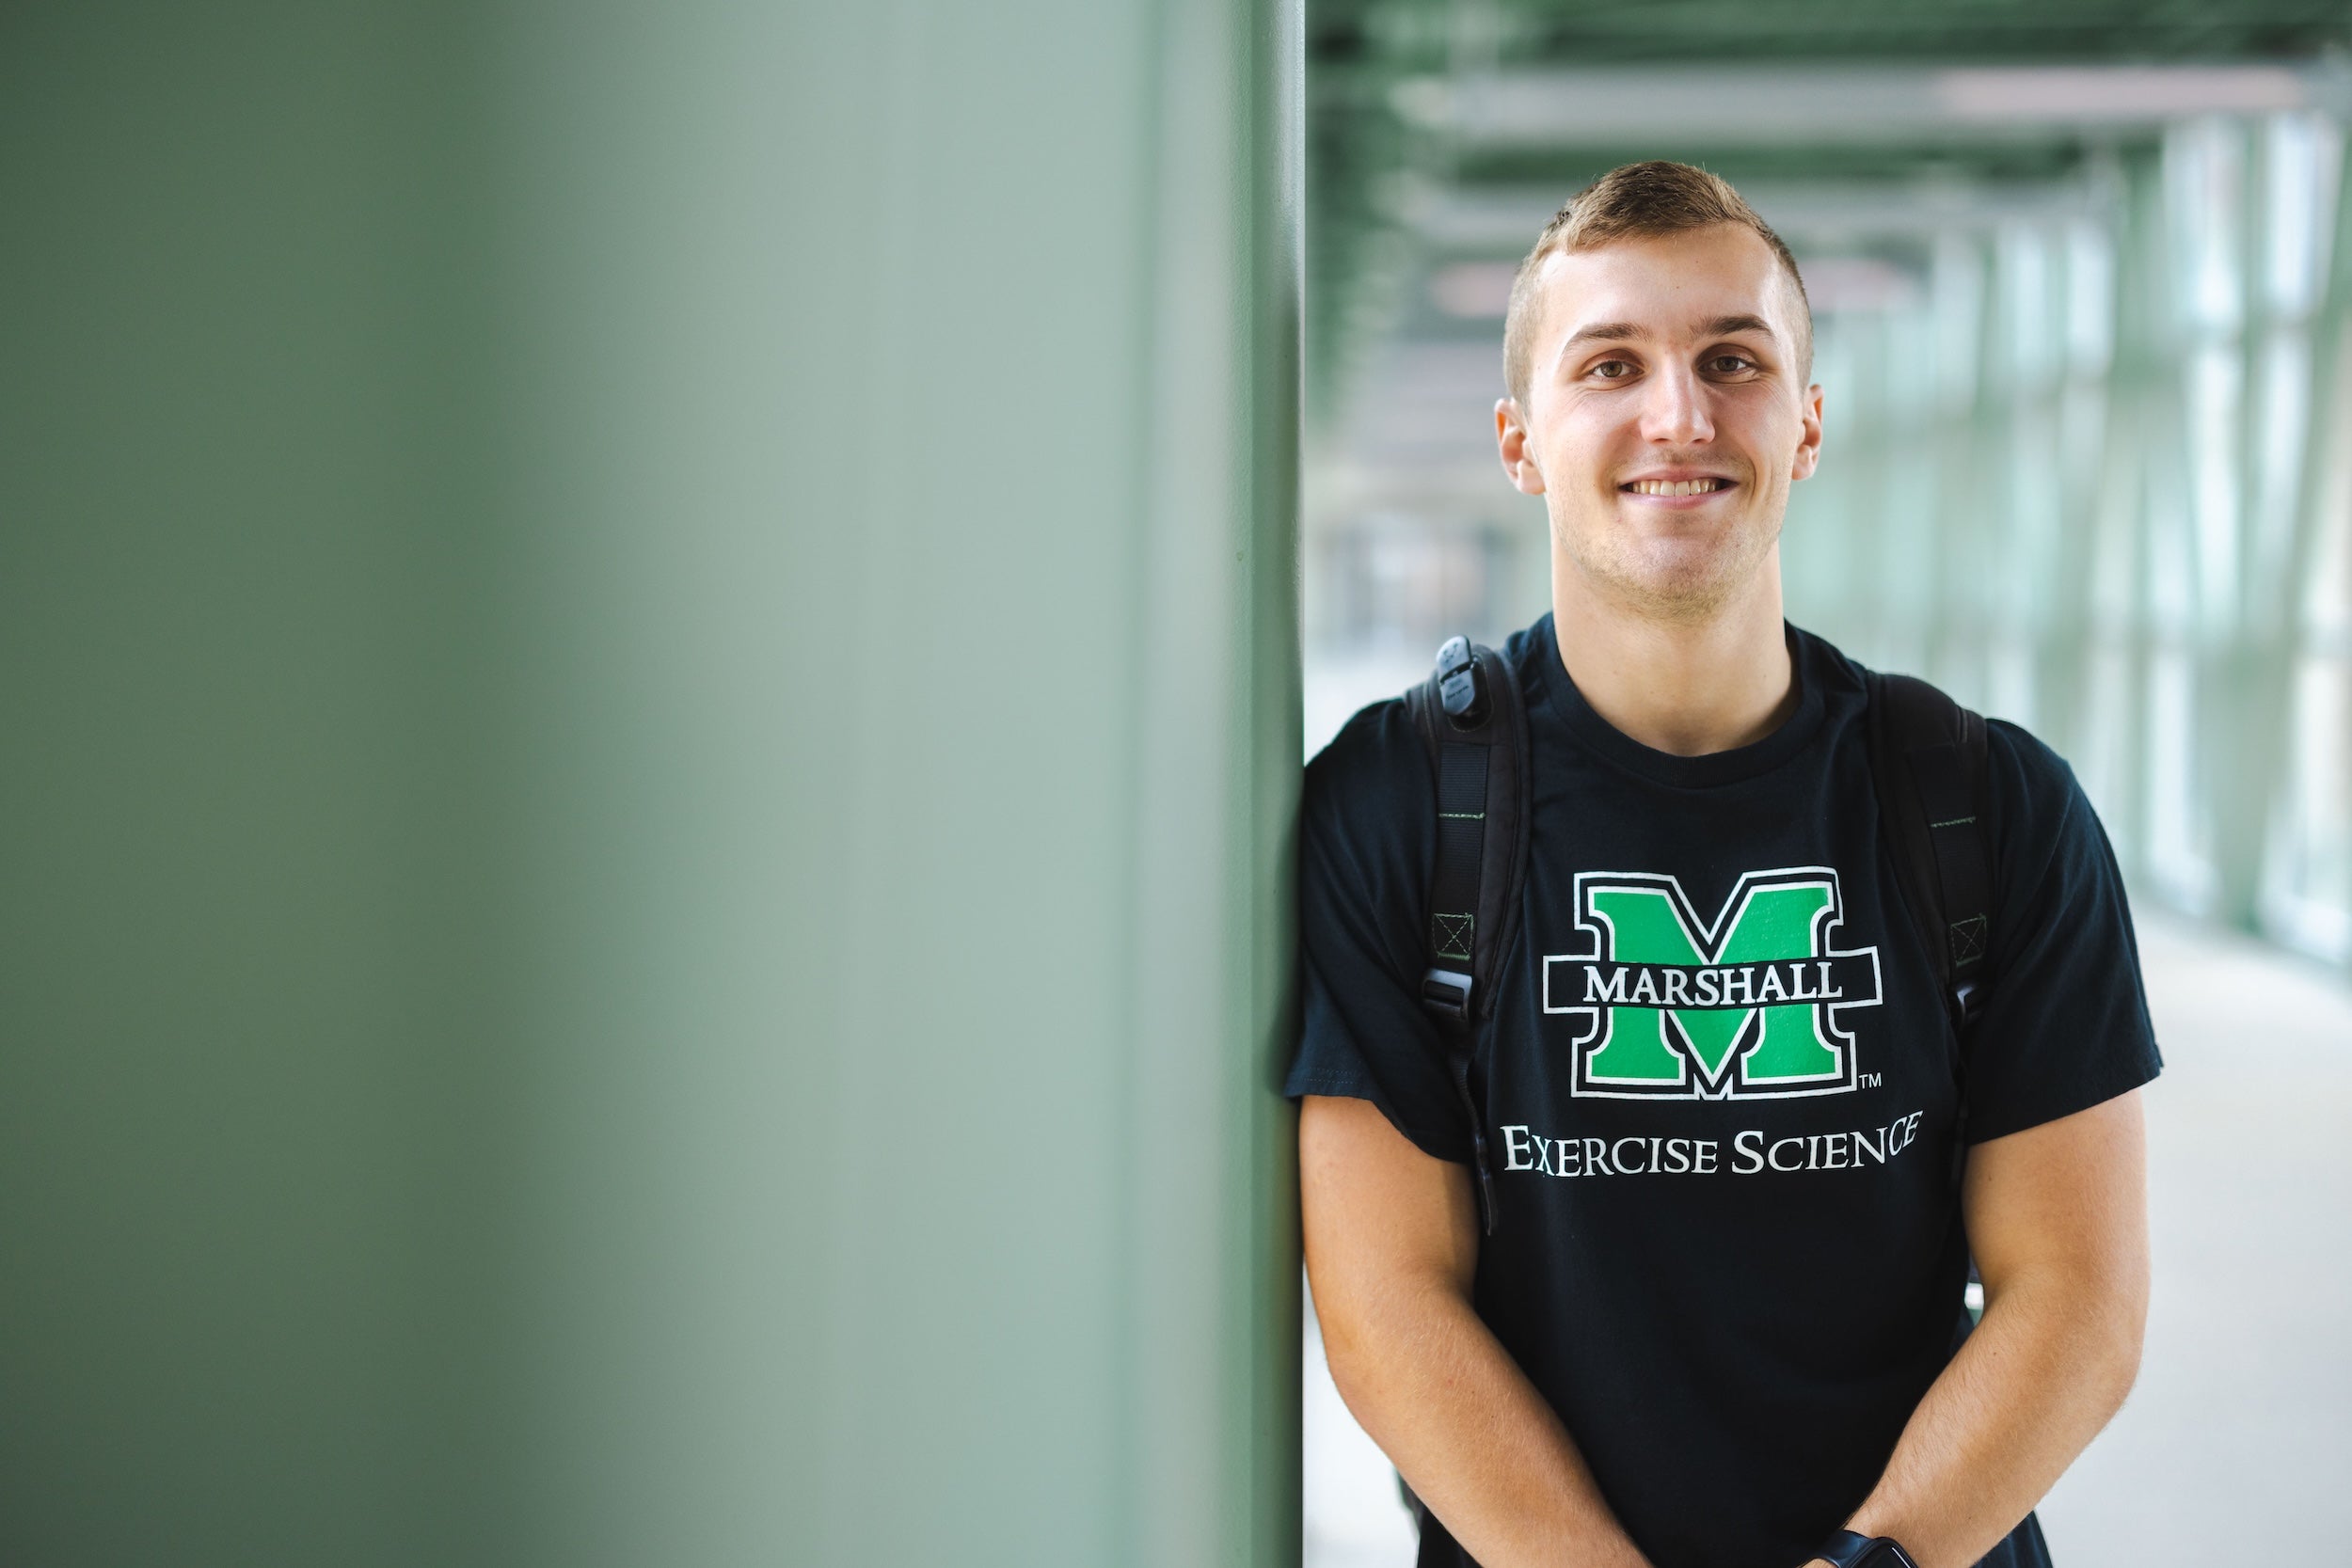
{"x": 1519, "y": 464}
{"x": 1809, "y": 446}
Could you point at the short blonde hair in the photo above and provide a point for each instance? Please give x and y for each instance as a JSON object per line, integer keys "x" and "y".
{"x": 1637, "y": 200}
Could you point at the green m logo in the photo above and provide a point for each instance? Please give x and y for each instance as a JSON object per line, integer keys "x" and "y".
{"x": 1746, "y": 1005}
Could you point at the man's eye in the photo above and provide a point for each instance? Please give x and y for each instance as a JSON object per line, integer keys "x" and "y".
{"x": 1613, "y": 370}
{"x": 1730, "y": 364}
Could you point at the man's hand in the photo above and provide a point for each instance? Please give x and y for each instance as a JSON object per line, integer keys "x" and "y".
{"x": 1391, "y": 1246}
{"x": 2058, "y": 1218}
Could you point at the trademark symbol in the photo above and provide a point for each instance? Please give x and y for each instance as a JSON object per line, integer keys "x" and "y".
{"x": 1872, "y": 1080}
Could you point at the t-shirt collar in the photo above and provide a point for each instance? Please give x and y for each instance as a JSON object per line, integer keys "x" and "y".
{"x": 1555, "y": 688}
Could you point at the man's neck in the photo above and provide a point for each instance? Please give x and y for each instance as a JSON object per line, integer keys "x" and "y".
{"x": 1687, "y": 688}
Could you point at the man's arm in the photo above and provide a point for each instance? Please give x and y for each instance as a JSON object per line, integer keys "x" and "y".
{"x": 2058, "y": 1217}
{"x": 1392, "y": 1243}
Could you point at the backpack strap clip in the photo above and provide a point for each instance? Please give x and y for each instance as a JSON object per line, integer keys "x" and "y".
{"x": 1460, "y": 693}
{"x": 1447, "y": 994}
{"x": 1473, "y": 725}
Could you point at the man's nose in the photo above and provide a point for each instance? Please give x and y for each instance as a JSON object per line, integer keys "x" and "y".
{"x": 1676, "y": 412}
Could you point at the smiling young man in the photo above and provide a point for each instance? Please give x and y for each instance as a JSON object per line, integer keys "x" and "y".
{"x": 1718, "y": 1322}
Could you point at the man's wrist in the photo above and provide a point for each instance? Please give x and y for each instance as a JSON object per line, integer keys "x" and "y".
{"x": 1853, "y": 1548}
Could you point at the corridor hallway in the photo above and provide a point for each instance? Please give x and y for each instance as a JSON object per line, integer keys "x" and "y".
{"x": 2081, "y": 295}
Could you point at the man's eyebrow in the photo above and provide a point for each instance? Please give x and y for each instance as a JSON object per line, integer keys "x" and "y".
{"x": 1621, "y": 332}
{"x": 1724, "y": 326}
{"x": 1605, "y": 332}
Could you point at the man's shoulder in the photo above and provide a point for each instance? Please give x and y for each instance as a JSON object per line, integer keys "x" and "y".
{"x": 1378, "y": 762}
{"x": 2035, "y": 801}
{"x": 1373, "y": 770}
{"x": 2030, "y": 760}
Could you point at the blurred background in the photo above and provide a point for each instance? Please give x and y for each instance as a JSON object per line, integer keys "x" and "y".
{"x": 2080, "y": 275}
{"x": 648, "y": 722}
{"x": 651, "y": 692}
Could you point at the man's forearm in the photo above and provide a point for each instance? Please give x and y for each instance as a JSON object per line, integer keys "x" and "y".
{"x": 2034, "y": 1384}
{"x": 2058, "y": 1217}
{"x": 1471, "y": 1434}
{"x": 1392, "y": 1239}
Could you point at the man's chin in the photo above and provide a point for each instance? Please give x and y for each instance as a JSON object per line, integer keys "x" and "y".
{"x": 1680, "y": 580}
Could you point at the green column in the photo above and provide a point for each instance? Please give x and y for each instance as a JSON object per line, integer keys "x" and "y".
{"x": 650, "y": 686}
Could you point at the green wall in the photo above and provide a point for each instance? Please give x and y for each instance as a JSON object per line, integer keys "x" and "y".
{"x": 648, "y": 674}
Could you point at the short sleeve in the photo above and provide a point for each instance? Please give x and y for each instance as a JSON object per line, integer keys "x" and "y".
{"x": 1367, "y": 819}
{"x": 2065, "y": 1024}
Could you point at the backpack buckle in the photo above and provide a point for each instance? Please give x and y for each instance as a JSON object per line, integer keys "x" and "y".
{"x": 1447, "y": 994}
{"x": 1461, "y": 691}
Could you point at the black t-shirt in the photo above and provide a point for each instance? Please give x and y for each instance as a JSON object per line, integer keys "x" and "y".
{"x": 1721, "y": 1090}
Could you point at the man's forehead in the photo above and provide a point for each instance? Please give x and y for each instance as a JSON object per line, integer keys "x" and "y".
{"x": 1670, "y": 285}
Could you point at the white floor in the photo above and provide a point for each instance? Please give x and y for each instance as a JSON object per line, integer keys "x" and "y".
{"x": 1354, "y": 1517}
{"x": 2240, "y": 1432}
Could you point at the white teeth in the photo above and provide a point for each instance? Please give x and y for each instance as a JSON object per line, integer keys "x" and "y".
{"x": 1676, "y": 487}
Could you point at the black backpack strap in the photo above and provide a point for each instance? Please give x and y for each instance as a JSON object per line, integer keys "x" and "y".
{"x": 1473, "y": 722}
{"x": 1928, "y": 763}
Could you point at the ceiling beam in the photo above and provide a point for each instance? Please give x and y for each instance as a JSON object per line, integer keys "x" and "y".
{"x": 1826, "y": 106}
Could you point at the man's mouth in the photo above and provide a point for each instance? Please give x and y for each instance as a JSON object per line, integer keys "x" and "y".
{"x": 1675, "y": 486}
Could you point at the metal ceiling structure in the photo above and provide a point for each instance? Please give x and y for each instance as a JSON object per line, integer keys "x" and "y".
{"x": 1480, "y": 94}
{"x": 2080, "y": 299}
{"x": 1595, "y": 32}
